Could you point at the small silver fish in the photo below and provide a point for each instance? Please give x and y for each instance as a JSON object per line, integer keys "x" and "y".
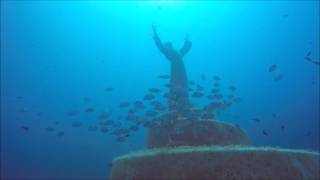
{"x": 232, "y": 88}
{"x": 139, "y": 105}
{"x": 86, "y": 99}
{"x": 215, "y": 91}
{"x": 264, "y": 132}
{"x": 256, "y": 120}
{"x": 104, "y": 129}
{"x": 272, "y": 68}
{"x": 121, "y": 139}
{"x": 19, "y": 97}
{"x": 25, "y": 128}
{"x": 278, "y": 77}
{"x": 60, "y": 134}
{"x": 109, "y": 89}
{"x": 89, "y": 110}
{"x": 308, "y": 53}
{"x": 216, "y": 78}
{"x": 316, "y": 62}
{"x": 308, "y": 58}
{"x": 134, "y": 128}
{"x": 121, "y": 131}
{"x": 191, "y": 83}
{"x": 72, "y": 113}
{"x": 197, "y": 94}
{"x": 154, "y": 90}
{"x": 148, "y": 97}
{"x": 124, "y": 104}
{"x": 164, "y": 76}
{"x": 151, "y": 113}
{"x": 160, "y": 107}
{"x": 77, "y": 124}
{"x": 92, "y": 128}
{"x": 49, "y": 129}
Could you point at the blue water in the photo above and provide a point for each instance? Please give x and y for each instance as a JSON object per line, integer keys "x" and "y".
{"x": 53, "y": 54}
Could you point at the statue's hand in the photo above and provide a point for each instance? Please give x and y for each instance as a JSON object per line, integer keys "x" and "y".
{"x": 155, "y": 33}
{"x": 187, "y": 37}
{"x": 154, "y": 29}
{"x": 186, "y": 46}
{"x": 187, "y": 41}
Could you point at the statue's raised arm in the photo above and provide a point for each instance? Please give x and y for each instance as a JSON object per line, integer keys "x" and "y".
{"x": 186, "y": 46}
{"x": 157, "y": 40}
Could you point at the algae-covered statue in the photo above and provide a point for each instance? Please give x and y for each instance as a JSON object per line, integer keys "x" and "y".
{"x": 179, "y": 98}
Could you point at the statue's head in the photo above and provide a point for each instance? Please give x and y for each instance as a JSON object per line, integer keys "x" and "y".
{"x": 168, "y": 45}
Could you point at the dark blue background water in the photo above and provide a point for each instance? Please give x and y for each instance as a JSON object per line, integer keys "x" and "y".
{"x": 55, "y": 54}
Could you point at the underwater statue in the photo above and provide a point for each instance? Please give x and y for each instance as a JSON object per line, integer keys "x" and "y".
{"x": 179, "y": 98}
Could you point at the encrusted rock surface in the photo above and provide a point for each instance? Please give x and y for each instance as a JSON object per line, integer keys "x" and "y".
{"x": 196, "y": 133}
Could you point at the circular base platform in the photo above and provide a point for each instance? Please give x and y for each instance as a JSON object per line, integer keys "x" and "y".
{"x": 196, "y": 133}
{"x": 217, "y": 162}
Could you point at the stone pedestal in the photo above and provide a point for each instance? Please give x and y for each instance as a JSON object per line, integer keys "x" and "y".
{"x": 218, "y": 163}
{"x": 208, "y": 149}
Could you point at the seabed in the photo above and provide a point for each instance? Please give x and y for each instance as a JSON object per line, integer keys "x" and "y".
{"x": 184, "y": 157}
